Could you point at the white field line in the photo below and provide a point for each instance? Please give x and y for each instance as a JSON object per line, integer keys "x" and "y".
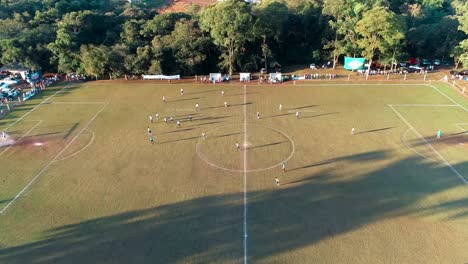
{"x": 348, "y": 84}
{"x": 460, "y": 125}
{"x": 77, "y": 103}
{"x": 30, "y": 111}
{"x": 197, "y": 148}
{"x": 245, "y": 176}
{"x": 25, "y": 134}
{"x": 430, "y": 145}
{"x": 255, "y": 84}
{"x": 51, "y": 162}
{"x": 429, "y": 105}
{"x": 403, "y": 139}
{"x": 76, "y": 153}
{"x": 448, "y": 97}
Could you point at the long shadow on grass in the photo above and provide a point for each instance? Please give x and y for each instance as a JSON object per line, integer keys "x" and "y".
{"x": 241, "y": 94}
{"x": 267, "y": 145}
{"x": 271, "y": 116}
{"x": 185, "y": 99}
{"x": 209, "y": 91}
{"x": 222, "y": 106}
{"x": 302, "y": 107}
{"x": 333, "y": 113}
{"x": 375, "y": 130}
{"x": 177, "y": 131}
{"x": 280, "y": 220}
{"x": 179, "y": 140}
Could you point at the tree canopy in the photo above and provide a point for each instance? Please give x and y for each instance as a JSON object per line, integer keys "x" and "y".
{"x": 113, "y": 37}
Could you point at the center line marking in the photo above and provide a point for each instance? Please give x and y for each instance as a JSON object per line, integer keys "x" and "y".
{"x": 245, "y": 175}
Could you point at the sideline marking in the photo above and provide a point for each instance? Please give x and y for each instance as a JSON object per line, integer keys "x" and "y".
{"x": 461, "y": 125}
{"x": 51, "y": 162}
{"x": 429, "y": 144}
{"x": 77, "y": 102}
{"x": 245, "y": 176}
{"x": 429, "y": 105}
{"x": 448, "y": 97}
{"x": 34, "y": 108}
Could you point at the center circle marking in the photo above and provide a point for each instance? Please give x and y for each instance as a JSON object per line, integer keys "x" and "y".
{"x": 214, "y": 164}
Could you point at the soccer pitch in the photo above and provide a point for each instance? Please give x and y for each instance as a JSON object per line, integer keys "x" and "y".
{"x": 84, "y": 184}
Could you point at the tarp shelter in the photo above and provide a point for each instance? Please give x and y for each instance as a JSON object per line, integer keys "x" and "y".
{"x": 275, "y": 77}
{"x": 245, "y": 76}
{"x": 353, "y": 64}
{"x": 35, "y": 76}
{"x": 20, "y": 70}
{"x": 161, "y": 77}
{"x": 215, "y": 77}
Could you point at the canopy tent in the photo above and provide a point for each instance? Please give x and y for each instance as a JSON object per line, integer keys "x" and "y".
{"x": 23, "y": 71}
{"x": 353, "y": 64}
{"x": 215, "y": 77}
{"x": 245, "y": 76}
{"x": 161, "y": 77}
{"x": 275, "y": 77}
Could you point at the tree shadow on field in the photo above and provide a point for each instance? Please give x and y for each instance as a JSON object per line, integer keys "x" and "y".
{"x": 210, "y": 229}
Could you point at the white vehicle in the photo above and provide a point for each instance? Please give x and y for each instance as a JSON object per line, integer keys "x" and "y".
{"x": 10, "y": 81}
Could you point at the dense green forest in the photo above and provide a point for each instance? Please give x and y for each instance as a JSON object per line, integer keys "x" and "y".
{"x": 114, "y": 37}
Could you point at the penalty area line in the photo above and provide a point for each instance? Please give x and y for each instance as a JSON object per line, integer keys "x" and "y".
{"x": 402, "y": 118}
{"x": 34, "y": 108}
{"x": 25, "y": 134}
{"x": 51, "y": 162}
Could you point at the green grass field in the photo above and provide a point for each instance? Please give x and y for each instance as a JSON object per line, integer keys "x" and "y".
{"x": 83, "y": 183}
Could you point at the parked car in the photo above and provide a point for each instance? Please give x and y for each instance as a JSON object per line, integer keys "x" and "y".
{"x": 414, "y": 68}
{"x": 454, "y": 72}
{"x": 263, "y": 71}
{"x": 10, "y": 81}
{"x": 437, "y": 62}
{"x": 5, "y": 87}
{"x": 313, "y": 66}
{"x": 463, "y": 72}
{"x": 7, "y": 95}
{"x": 425, "y": 62}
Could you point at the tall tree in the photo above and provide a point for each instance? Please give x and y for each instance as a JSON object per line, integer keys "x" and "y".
{"x": 229, "y": 24}
{"x": 461, "y": 50}
{"x": 269, "y": 25}
{"x": 94, "y": 59}
{"x": 380, "y": 30}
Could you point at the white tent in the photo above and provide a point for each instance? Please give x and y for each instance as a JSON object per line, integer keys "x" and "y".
{"x": 20, "y": 70}
{"x": 161, "y": 77}
{"x": 215, "y": 77}
{"x": 245, "y": 76}
{"x": 275, "y": 77}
